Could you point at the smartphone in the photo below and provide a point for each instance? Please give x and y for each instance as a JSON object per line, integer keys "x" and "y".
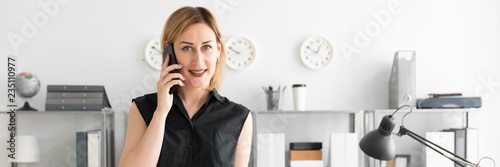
{"x": 173, "y": 60}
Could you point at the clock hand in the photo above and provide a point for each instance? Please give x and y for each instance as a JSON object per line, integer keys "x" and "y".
{"x": 311, "y": 50}
{"x": 156, "y": 49}
{"x": 230, "y": 48}
{"x": 318, "y": 49}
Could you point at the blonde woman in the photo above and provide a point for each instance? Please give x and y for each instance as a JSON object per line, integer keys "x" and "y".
{"x": 194, "y": 126}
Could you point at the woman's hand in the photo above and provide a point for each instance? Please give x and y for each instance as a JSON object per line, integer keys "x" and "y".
{"x": 166, "y": 81}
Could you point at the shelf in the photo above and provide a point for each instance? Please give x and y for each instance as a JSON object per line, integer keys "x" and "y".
{"x": 310, "y": 112}
{"x": 435, "y": 110}
{"x": 61, "y": 112}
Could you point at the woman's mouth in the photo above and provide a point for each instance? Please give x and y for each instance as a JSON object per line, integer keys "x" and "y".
{"x": 197, "y": 73}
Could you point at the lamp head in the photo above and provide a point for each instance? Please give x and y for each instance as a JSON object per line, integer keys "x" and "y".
{"x": 378, "y": 143}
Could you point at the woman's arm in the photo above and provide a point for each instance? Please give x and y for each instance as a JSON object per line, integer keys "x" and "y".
{"x": 143, "y": 143}
{"x": 244, "y": 147}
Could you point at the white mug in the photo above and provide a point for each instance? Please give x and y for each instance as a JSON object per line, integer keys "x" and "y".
{"x": 299, "y": 96}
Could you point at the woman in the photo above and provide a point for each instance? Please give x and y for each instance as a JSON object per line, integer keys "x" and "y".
{"x": 194, "y": 126}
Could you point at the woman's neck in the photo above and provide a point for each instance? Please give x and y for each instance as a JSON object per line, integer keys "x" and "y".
{"x": 193, "y": 99}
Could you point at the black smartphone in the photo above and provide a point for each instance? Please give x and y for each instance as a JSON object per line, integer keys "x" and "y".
{"x": 173, "y": 60}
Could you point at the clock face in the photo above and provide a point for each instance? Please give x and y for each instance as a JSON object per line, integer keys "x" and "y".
{"x": 316, "y": 52}
{"x": 153, "y": 54}
{"x": 240, "y": 53}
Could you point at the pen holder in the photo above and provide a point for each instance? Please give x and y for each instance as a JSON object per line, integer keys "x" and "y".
{"x": 274, "y": 99}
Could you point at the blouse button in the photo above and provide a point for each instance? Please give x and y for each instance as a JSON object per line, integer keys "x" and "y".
{"x": 189, "y": 146}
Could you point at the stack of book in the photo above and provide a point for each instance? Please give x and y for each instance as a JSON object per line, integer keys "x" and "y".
{"x": 76, "y": 98}
{"x": 306, "y": 154}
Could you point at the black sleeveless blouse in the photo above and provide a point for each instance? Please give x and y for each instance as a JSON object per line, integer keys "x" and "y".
{"x": 208, "y": 139}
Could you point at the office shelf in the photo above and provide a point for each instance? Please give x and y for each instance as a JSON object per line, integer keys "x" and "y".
{"x": 56, "y": 133}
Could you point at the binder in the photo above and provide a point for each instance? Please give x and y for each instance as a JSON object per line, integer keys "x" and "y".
{"x": 402, "y": 83}
{"x": 94, "y": 149}
{"x": 81, "y": 149}
{"x": 76, "y": 98}
{"x": 466, "y": 143}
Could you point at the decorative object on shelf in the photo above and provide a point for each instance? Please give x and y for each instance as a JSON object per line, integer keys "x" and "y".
{"x": 240, "y": 53}
{"x": 402, "y": 83}
{"x": 27, "y": 150}
{"x": 76, "y": 98}
{"x": 153, "y": 54}
{"x": 380, "y": 145}
{"x": 299, "y": 96}
{"x": 274, "y": 97}
{"x": 316, "y": 52}
{"x": 306, "y": 154}
{"x": 27, "y": 86}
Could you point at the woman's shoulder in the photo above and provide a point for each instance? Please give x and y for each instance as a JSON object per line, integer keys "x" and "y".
{"x": 234, "y": 106}
{"x": 146, "y": 105}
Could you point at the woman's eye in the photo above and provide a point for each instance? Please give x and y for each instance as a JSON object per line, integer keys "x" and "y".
{"x": 186, "y": 48}
{"x": 206, "y": 47}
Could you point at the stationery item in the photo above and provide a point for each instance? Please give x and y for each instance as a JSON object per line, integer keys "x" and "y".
{"x": 306, "y": 146}
{"x": 271, "y": 150}
{"x": 306, "y": 163}
{"x": 450, "y": 102}
{"x": 81, "y": 149}
{"x": 299, "y": 96}
{"x": 402, "y": 83}
{"x": 444, "y": 139}
{"x": 466, "y": 143}
{"x": 305, "y": 155}
{"x": 274, "y": 97}
{"x": 343, "y": 150}
{"x": 76, "y": 98}
{"x": 94, "y": 148}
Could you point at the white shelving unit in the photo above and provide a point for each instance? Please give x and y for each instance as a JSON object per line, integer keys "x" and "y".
{"x": 56, "y": 133}
{"x": 306, "y": 126}
{"x": 420, "y": 121}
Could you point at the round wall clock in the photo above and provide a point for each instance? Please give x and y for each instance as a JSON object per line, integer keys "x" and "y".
{"x": 316, "y": 52}
{"x": 153, "y": 54}
{"x": 240, "y": 53}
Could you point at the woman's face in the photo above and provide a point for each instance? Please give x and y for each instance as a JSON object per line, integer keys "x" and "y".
{"x": 198, "y": 50}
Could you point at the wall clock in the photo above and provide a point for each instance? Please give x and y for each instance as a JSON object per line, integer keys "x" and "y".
{"x": 316, "y": 52}
{"x": 153, "y": 54}
{"x": 240, "y": 53}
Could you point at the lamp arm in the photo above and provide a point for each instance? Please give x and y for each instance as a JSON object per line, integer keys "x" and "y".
{"x": 420, "y": 139}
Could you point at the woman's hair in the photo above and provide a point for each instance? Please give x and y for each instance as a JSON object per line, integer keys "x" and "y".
{"x": 182, "y": 18}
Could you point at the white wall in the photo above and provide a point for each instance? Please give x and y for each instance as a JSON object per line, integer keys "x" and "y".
{"x": 102, "y": 42}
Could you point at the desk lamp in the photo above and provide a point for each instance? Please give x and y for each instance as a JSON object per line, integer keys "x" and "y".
{"x": 379, "y": 144}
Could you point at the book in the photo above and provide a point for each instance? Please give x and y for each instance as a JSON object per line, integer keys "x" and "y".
{"x": 305, "y": 155}
{"x": 94, "y": 148}
{"x": 306, "y": 163}
{"x": 466, "y": 143}
{"x": 444, "y": 139}
{"x": 343, "y": 150}
{"x": 271, "y": 150}
{"x": 81, "y": 149}
{"x": 306, "y": 146}
{"x": 73, "y": 107}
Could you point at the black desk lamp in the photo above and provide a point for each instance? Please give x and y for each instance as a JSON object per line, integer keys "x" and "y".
{"x": 379, "y": 144}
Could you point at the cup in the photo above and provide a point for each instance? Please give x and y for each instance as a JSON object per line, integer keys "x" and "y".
{"x": 299, "y": 96}
{"x": 274, "y": 99}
